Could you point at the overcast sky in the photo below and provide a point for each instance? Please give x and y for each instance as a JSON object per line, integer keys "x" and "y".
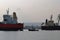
{"x": 31, "y": 10}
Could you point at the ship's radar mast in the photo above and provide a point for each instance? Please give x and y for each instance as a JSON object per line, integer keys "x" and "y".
{"x": 51, "y": 17}
{"x": 8, "y": 11}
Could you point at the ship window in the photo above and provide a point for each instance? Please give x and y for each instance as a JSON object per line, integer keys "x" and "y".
{"x": 5, "y": 19}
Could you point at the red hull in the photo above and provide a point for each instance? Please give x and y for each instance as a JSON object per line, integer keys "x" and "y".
{"x": 11, "y": 26}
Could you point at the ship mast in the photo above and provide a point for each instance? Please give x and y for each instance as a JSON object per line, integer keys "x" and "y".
{"x": 51, "y": 17}
{"x": 8, "y": 11}
{"x": 58, "y": 18}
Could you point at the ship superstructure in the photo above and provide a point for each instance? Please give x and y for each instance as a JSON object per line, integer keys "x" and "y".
{"x": 8, "y": 19}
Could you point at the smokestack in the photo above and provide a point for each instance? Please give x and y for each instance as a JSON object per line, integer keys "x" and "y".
{"x": 46, "y": 21}
{"x": 14, "y": 15}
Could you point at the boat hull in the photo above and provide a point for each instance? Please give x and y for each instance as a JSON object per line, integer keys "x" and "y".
{"x": 32, "y": 30}
{"x": 11, "y": 26}
{"x": 50, "y": 27}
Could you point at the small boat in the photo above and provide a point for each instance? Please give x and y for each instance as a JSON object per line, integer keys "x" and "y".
{"x": 33, "y": 29}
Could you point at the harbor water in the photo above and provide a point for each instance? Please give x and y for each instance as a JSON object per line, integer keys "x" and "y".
{"x": 30, "y": 35}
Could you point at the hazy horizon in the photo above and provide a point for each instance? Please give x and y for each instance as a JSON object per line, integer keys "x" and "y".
{"x": 31, "y": 10}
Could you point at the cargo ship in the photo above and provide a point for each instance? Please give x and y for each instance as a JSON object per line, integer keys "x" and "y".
{"x": 10, "y": 23}
{"x": 50, "y": 25}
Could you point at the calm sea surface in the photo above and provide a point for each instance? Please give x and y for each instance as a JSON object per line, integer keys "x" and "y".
{"x": 30, "y": 35}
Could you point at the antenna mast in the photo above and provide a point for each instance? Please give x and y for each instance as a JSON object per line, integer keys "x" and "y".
{"x": 8, "y": 11}
{"x": 51, "y": 17}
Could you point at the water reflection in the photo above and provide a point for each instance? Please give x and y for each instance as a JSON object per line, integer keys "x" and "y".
{"x": 26, "y": 35}
{"x": 8, "y": 35}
